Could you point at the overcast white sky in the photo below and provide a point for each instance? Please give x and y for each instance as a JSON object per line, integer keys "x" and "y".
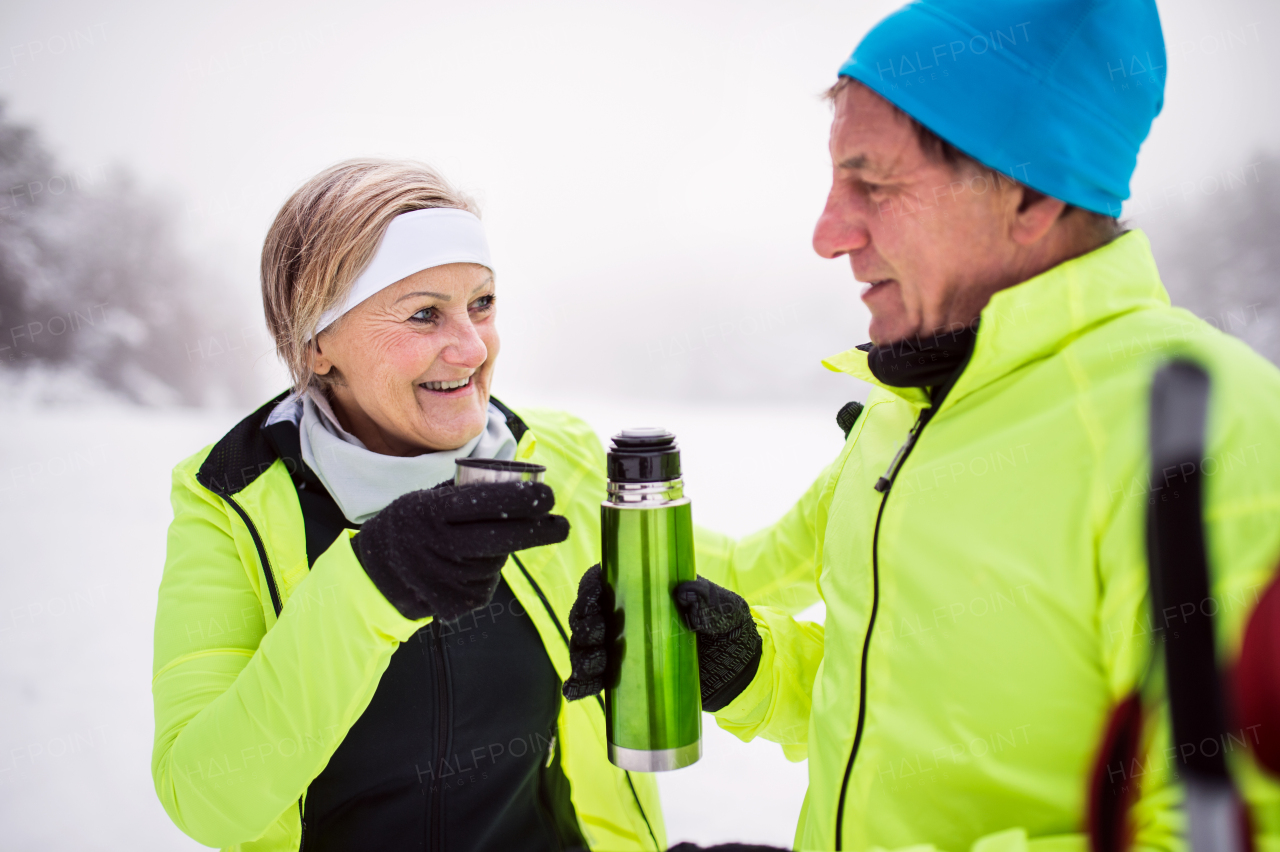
{"x": 660, "y": 160}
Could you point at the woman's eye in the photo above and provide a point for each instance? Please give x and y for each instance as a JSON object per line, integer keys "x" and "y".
{"x": 484, "y": 303}
{"x": 425, "y": 315}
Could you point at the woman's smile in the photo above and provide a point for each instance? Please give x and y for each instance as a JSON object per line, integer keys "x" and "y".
{"x": 449, "y": 387}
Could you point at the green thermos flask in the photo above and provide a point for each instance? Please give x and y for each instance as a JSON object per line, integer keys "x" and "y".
{"x": 653, "y": 705}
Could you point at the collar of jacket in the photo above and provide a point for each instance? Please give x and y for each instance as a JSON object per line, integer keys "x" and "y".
{"x": 1039, "y": 317}
{"x": 247, "y": 451}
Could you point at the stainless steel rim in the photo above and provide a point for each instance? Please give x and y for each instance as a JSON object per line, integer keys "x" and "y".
{"x": 475, "y": 471}
{"x": 646, "y": 495}
{"x": 663, "y": 760}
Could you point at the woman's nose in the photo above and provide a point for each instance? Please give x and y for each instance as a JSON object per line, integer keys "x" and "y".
{"x": 841, "y": 228}
{"x": 467, "y": 348}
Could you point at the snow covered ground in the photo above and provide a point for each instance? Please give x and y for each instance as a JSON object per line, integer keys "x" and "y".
{"x": 84, "y": 502}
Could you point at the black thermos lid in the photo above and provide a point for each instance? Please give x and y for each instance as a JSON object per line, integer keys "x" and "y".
{"x": 644, "y": 455}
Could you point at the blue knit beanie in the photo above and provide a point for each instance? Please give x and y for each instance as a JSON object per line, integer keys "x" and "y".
{"x": 1057, "y": 94}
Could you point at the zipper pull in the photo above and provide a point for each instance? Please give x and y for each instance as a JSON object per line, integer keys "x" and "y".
{"x": 884, "y": 482}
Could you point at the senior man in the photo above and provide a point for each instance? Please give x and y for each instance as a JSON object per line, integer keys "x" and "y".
{"x": 980, "y": 539}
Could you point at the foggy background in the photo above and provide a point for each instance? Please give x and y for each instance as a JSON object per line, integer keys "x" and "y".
{"x": 649, "y": 179}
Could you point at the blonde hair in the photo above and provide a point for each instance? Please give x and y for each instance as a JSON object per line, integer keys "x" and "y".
{"x": 325, "y": 235}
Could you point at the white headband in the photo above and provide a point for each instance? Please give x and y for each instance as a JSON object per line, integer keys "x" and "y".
{"x": 414, "y": 241}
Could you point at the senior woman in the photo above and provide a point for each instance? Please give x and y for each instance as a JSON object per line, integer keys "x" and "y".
{"x": 348, "y": 656}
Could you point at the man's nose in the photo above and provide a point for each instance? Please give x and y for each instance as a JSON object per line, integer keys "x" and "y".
{"x": 841, "y": 228}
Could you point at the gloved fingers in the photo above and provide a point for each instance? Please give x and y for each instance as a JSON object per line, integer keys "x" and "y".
{"x": 590, "y": 595}
{"x": 588, "y": 631}
{"x": 692, "y": 592}
{"x": 708, "y": 608}
{"x": 588, "y": 653}
{"x": 692, "y": 599}
{"x": 577, "y": 688}
{"x": 496, "y": 500}
{"x": 499, "y": 538}
{"x": 589, "y": 662}
{"x": 587, "y": 616}
{"x": 587, "y": 677}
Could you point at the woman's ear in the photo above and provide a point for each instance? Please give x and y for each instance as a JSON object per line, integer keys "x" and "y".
{"x": 319, "y": 362}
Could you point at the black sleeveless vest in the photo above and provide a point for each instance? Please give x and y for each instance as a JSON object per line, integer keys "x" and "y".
{"x": 457, "y": 749}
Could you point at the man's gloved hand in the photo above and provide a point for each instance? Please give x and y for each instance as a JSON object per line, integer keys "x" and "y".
{"x": 728, "y": 643}
{"x": 439, "y": 552}
{"x": 588, "y": 649}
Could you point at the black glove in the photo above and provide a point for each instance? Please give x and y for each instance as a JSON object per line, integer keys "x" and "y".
{"x": 588, "y": 654}
{"x": 439, "y": 552}
{"x": 728, "y": 643}
{"x": 725, "y": 847}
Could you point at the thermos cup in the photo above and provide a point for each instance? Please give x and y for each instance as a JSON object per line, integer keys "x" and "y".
{"x": 474, "y": 471}
{"x": 653, "y": 706}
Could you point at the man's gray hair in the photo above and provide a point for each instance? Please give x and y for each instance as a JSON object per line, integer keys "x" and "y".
{"x": 1100, "y": 225}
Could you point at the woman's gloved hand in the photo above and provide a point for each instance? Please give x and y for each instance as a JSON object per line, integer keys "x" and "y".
{"x": 439, "y": 552}
{"x": 729, "y": 645}
{"x": 725, "y": 847}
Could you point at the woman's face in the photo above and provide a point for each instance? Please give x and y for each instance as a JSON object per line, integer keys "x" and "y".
{"x": 411, "y": 365}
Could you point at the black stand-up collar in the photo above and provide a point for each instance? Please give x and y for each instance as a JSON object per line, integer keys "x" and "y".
{"x": 922, "y": 361}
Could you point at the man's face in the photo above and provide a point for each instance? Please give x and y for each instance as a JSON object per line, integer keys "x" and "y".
{"x": 930, "y": 240}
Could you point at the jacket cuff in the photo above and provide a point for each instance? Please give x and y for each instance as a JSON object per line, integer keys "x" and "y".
{"x": 731, "y": 689}
{"x": 379, "y": 608}
{"x": 757, "y": 688}
{"x": 394, "y": 586}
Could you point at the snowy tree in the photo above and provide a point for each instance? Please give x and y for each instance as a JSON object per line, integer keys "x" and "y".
{"x": 93, "y": 282}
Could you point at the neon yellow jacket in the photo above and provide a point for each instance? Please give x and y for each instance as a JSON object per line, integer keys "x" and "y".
{"x": 249, "y": 707}
{"x": 1005, "y": 612}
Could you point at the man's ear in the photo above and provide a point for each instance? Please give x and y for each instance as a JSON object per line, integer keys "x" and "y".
{"x": 319, "y": 362}
{"x": 1035, "y": 215}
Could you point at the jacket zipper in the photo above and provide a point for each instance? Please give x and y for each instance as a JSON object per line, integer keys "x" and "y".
{"x": 278, "y": 606}
{"x": 435, "y": 808}
{"x": 546, "y": 604}
{"x": 883, "y": 484}
{"x": 276, "y": 603}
